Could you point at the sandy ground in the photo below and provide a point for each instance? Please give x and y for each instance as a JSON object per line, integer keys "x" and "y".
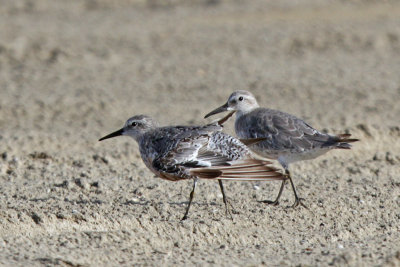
{"x": 73, "y": 71}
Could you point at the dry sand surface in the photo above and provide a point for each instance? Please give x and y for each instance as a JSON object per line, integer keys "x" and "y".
{"x": 73, "y": 71}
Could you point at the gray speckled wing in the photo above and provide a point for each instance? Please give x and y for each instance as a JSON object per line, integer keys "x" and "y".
{"x": 284, "y": 132}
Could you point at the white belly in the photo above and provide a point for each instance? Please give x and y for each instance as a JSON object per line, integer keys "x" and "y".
{"x": 287, "y": 157}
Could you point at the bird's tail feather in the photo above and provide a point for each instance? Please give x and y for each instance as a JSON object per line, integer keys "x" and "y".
{"x": 343, "y": 140}
{"x": 241, "y": 170}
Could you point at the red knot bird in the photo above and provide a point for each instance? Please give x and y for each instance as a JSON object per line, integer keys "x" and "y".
{"x": 287, "y": 138}
{"x": 191, "y": 152}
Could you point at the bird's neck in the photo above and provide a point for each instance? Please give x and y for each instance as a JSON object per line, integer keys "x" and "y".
{"x": 138, "y": 137}
{"x": 245, "y": 111}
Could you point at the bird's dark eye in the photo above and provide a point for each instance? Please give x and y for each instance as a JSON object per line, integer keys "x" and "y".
{"x": 241, "y": 98}
{"x": 133, "y": 124}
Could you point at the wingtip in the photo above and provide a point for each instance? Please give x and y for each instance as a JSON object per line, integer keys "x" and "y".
{"x": 250, "y": 170}
{"x": 345, "y": 138}
{"x": 206, "y": 173}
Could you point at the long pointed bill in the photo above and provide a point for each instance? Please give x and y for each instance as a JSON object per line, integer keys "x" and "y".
{"x": 114, "y": 134}
{"x": 222, "y": 108}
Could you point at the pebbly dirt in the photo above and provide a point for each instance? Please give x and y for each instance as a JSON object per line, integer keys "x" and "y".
{"x": 73, "y": 71}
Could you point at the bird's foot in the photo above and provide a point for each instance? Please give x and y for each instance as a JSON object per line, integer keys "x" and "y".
{"x": 297, "y": 202}
{"x": 270, "y": 202}
{"x": 228, "y": 208}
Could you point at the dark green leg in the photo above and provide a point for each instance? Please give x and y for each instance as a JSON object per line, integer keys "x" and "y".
{"x": 224, "y": 198}
{"x": 276, "y": 201}
{"x": 297, "y": 199}
{"x": 190, "y": 200}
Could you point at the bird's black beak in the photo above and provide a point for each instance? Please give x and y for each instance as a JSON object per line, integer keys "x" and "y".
{"x": 222, "y": 108}
{"x": 114, "y": 134}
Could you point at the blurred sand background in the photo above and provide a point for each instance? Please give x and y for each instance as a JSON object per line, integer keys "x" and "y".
{"x": 73, "y": 71}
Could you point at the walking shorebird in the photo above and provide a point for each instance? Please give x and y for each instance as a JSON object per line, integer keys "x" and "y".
{"x": 190, "y": 152}
{"x": 287, "y": 138}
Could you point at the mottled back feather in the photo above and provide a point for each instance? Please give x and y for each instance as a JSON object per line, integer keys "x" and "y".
{"x": 283, "y": 132}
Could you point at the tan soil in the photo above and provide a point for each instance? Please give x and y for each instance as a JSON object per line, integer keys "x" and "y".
{"x": 73, "y": 71}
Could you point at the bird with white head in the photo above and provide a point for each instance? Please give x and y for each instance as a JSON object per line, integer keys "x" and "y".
{"x": 287, "y": 138}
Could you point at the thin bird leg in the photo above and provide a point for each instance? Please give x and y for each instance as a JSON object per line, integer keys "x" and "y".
{"x": 276, "y": 201}
{"x": 190, "y": 200}
{"x": 224, "y": 198}
{"x": 297, "y": 199}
